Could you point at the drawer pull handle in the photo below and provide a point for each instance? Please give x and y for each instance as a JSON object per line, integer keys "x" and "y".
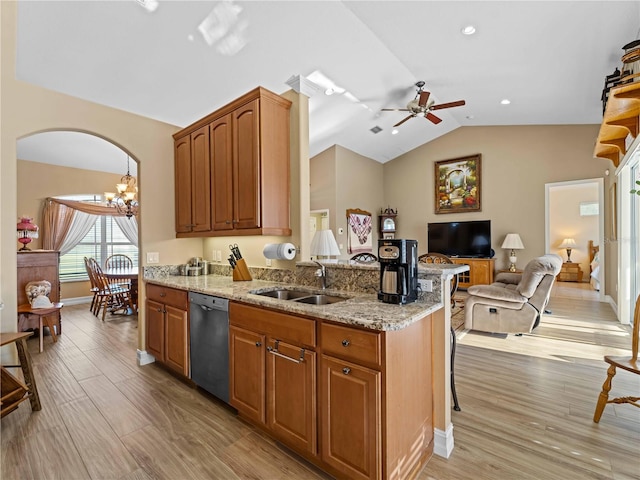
{"x": 346, "y": 343}
{"x": 346, "y": 370}
{"x": 274, "y": 350}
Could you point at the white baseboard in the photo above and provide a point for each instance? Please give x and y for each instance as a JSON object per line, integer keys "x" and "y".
{"x": 76, "y": 300}
{"x": 443, "y": 441}
{"x": 144, "y": 358}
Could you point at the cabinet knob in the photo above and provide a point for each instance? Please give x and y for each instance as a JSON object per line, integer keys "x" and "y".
{"x": 160, "y": 310}
{"x": 258, "y": 344}
{"x": 346, "y": 370}
{"x": 227, "y": 222}
{"x": 346, "y": 343}
{"x": 163, "y": 294}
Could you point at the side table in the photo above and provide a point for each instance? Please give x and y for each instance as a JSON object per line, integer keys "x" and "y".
{"x": 570, "y": 272}
{"x": 13, "y": 390}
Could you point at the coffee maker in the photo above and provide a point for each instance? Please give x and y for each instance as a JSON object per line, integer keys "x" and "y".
{"x": 398, "y": 270}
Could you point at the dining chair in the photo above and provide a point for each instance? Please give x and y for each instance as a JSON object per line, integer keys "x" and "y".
{"x": 433, "y": 257}
{"x": 110, "y": 296}
{"x": 364, "y": 258}
{"x": 118, "y": 261}
{"x": 630, "y": 364}
{"x": 94, "y": 286}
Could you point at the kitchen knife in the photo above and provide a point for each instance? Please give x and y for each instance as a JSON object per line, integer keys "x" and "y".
{"x": 232, "y": 261}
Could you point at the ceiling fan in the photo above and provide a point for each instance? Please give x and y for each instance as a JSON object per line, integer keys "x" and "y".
{"x": 420, "y": 105}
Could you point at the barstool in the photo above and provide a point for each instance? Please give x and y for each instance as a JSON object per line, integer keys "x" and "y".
{"x": 44, "y": 316}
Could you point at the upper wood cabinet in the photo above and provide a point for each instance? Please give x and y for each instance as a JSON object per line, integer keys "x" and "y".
{"x": 239, "y": 183}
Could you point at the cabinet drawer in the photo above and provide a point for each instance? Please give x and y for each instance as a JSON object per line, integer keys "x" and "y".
{"x": 298, "y": 330}
{"x": 168, "y": 296}
{"x": 351, "y": 343}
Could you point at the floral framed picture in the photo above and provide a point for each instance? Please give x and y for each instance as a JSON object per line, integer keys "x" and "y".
{"x": 457, "y": 185}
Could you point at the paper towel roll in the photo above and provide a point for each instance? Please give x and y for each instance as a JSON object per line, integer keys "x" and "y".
{"x": 279, "y": 251}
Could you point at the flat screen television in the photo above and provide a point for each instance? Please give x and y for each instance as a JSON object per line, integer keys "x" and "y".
{"x": 460, "y": 239}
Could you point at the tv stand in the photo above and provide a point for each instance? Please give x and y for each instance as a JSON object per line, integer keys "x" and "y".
{"x": 480, "y": 271}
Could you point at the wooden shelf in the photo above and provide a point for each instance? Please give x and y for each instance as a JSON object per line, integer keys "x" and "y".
{"x": 621, "y": 119}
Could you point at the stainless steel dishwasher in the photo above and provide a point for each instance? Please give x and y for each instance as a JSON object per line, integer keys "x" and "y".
{"x": 210, "y": 343}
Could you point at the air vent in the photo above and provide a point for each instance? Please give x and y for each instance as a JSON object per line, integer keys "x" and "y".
{"x": 376, "y": 129}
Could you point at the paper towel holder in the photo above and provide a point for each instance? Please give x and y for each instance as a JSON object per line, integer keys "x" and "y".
{"x": 279, "y": 251}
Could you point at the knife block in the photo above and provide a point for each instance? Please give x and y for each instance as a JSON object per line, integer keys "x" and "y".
{"x": 241, "y": 272}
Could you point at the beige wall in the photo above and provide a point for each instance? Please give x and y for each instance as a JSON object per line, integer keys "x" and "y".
{"x": 342, "y": 179}
{"x": 37, "y": 181}
{"x": 565, "y": 222}
{"x": 517, "y": 162}
{"x": 26, "y": 109}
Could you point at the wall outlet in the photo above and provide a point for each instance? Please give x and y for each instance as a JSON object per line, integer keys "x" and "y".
{"x": 426, "y": 285}
{"x": 153, "y": 257}
{"x": 268, "y": 262}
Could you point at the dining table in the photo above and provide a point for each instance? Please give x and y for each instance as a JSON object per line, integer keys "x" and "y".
{"x": 129, "y": 275}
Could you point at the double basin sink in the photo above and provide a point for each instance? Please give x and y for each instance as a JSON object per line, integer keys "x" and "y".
{"x": 300, "y": 296}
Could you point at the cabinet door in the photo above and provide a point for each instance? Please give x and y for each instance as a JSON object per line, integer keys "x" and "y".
{"x": 351, "y": 416}
{"x": 182, "y": 158}
{"x": 177, "y": 340}
{"x": 155, "y": 329}
{"x": 481, "y": 272}
{"x": 291, "y": 395}
{"x": 246, "y": 166}
{"x": 222, "y": 173}
{"x": 247, "y": 373}
{"x": 200, "y": 180}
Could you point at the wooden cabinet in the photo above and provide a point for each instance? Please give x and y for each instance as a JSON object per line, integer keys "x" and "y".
{"x": 480, "y": 271}
{"x": 351, "y": 418}
{"x": 273, "y": 373}
{"x": 168, "y": 327}
{"x": 33, "y": 265}
{"x": 245, "y": 183}
{"x": 192, "y": 172}
{"x": 570, "y": 272}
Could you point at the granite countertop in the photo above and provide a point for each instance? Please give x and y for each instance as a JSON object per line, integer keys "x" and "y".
{"x": 360, "y": 309}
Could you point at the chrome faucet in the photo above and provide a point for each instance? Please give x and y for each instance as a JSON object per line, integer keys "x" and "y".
{"x": 322, "y": 274}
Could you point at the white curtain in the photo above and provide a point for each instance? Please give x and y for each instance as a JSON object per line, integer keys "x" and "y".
{"x": 80, "y": 226}
{"x": 129, "y": 226}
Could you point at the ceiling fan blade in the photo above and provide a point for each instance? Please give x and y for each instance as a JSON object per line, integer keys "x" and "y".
{"x": 459, "y": 103}
{"x": 431, "y": 117}
{"x": 394, "y": 110}
{"x": 424, "y": 96}
{"x": 404, "y": 120}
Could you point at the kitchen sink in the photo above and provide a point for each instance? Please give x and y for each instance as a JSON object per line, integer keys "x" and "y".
{"x": 320, "y": 299}
{"x": 284, "y": 294}
{"x": 300, "y": 296}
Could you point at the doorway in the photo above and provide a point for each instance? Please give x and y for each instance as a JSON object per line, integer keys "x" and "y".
{"x": 574, "y": 210}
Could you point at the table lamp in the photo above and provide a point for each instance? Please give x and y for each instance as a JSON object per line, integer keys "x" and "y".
{"x": 26, "y": 232}
{"x": 324, "y": 243}
{"x": 568, "y": 243}
{"x": 512, "y": 242}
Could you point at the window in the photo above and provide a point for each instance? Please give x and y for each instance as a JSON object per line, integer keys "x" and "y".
{"x": 104, "y": 239}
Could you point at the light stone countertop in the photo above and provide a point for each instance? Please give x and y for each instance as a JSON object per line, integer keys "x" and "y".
{"x": 363, "y": 310}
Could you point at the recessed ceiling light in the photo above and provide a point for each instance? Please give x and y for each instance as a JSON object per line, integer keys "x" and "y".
{"x": 505, "y": 101}
{"x": 329, "y": 91}
{"x": 468, "y": 30}
{"x": 394, "y": 131}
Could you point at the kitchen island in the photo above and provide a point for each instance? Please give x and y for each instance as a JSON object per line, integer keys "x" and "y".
{"x": 362, "y": 401}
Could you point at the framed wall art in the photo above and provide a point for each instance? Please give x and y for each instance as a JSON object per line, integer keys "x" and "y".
{"x": 457, "y": 185}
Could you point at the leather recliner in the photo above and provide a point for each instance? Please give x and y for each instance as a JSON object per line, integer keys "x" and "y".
{"x": 514, "y": 302}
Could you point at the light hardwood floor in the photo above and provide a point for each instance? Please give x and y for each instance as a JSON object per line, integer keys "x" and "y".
{"x": 527, "y": 406}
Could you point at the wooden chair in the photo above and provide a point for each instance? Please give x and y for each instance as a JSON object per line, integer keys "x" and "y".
{"x": 433, "y": 257}
{"x": 119, "y": 261}
{"x": 364, "y": 258}
{"x": 110, "y": 296}
{"x": 94, "y": 286}
{"x": 630, "y": 364}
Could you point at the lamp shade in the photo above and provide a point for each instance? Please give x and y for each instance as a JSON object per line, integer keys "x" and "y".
{"x": 513, "y": 242}
{"x": 568, "y": 243}
{"x": 324, "y": 243}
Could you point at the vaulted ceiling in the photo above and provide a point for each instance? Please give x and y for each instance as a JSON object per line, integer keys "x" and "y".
{"x": 182, "y": 60}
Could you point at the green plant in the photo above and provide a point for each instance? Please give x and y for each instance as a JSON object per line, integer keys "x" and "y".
{"x": 636, "y": 190}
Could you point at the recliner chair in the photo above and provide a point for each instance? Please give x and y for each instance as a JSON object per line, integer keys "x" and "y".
{"x": 514, "y": 302}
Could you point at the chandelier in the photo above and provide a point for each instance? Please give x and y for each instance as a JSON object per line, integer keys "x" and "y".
{"x": 125, "y": 200}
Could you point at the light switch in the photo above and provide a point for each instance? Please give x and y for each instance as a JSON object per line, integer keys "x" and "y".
{"x": 153, "y": 257}
{"x": 218, "y": 255}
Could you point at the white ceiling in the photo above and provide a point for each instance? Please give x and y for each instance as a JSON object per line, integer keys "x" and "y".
{"x": 548, "y": 57}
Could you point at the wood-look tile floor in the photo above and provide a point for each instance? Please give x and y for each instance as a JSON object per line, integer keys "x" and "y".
{"x": 527, "y": 406}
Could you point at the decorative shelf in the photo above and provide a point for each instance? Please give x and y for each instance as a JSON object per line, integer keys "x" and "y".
{"x": 621, "y": 119}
